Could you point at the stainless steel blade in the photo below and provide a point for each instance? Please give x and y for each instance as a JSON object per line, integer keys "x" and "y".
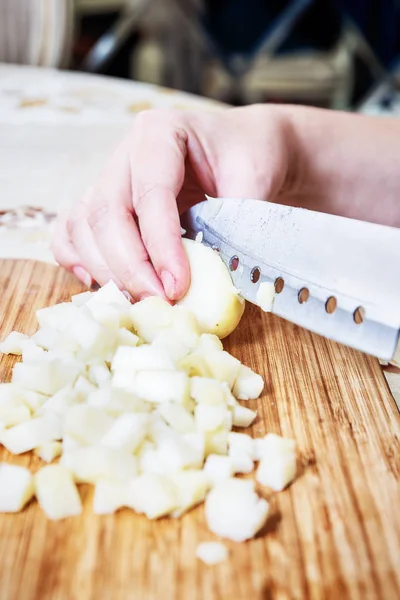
{"x": 356, "y": 263}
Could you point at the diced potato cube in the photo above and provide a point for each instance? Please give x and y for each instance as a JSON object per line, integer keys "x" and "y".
{"x": 12, "y": 343}
{"x": 243, "y": 416}
{"x": 12, "y": 414}
{"x": 16, "y": 487}
{"x": 277, "y": 470}
{"x": 57, "y": 493}
{"x": 207, "y": 391}
{"x": 127, "y": 432}
{"x": 192, "y": 487}
{"x": 242, "y": 442}
{"x": 109, "y": 496}
{"x": 208, "y": 342}
{"x": 177, "y": 416}
{"x": 195, "y": 364}
{"x": 141, "y": 358}
{"x": 272, "y": 444}
{"x": 242, "y": 462}
{"x": 209, "y": 417}
{"x": 30, "y": 434}
{"x": 46, "y": 377}
{"x": 86, "y": 423}
{"x": 248, "y": 385}
{"x": 149, "y": 316}
{"x": 89, "y": 464}
{"x": 216, "y": 441}
{"x": 81, "y": 299}
{"x": 218, "y": 468}
{"x": 162, "y": 386}
{"x": 233, "y": 510}
{"x": 212, "y": 553}
{"x": 109, "y": 294}
{"x": 265, "y": 295}
{"x": 49, "y": 451}
{"x": 153, "y": 495}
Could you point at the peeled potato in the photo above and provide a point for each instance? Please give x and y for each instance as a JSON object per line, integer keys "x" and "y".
{"x": 211, "y": 297}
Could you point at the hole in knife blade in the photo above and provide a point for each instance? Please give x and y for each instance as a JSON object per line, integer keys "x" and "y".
{"x": 304, "y": 295}
{"x": 279, "y": 285}
{"x": 331, "y": 305}
{"x": 359, "y": 315}
{"x": 255, "y": 274}
{"x": 234, "y": 263}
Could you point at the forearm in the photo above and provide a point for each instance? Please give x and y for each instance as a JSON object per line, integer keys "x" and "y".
{"x": 344, "y": 164}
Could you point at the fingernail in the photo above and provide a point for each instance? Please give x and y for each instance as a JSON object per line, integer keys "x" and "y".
{"x": 168, "y": 282}
{"x": 82, "y": 275}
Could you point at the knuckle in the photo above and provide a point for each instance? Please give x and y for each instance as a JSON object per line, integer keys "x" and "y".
{"x": 98, "y": 215}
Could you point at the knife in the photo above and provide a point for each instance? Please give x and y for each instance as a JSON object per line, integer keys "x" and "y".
{"x": 335, "y": 276}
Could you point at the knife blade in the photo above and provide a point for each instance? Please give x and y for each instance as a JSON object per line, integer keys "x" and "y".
{"x": 332, "y": 273}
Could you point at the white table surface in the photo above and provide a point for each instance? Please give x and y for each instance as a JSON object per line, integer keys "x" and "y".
{"x": 56, "y": 130}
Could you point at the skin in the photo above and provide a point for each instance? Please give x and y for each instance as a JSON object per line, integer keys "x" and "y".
{"x": 126, "y": 227}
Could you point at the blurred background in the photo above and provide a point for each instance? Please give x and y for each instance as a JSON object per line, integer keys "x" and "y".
{"x": 341, "y": 54}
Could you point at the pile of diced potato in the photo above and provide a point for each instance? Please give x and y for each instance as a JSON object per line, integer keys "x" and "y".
{"x": 139, "y": 401}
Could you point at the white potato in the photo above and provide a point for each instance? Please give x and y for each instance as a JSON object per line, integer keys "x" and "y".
{"x": 109, "y": 496}
{"x": 209, "y": 341}
{"x": 16, "y": 487}
{"x": 46, "y": 377}
{"x": 12, "y": 343}
{"x": 82, "y": 298}
{"x": 233, "y": 510}
{"x": 177, "y": 416}
{"x": 209, "y": 417}
{"x": 127, "y": 432}
{"x": 61, "y": 401}
{"x": 57, "y": 493}
{"x": 12, "y": 415}
{"x": 49, "y": 451}
{"x": 278, "y": 465}
{"x": 162, "y": 386}
{"x": 273, "y": 444}
{"x": 216, "y": 442}
{"x": 109, "y": 294}
{"x": 241, "y": 461}
{"x": 169, "y": 340}
{"x": 89, "y": 464}
{"x": 212, "y": 553}
{"x": 153, "y": 495}
{"x": 30, "y": 434}
{"x": 149, "y": 316}
{"x": 243, "y": 416}
{"x": 211, "y": 297}
{"x": 248, "y": 385}
{"x": 218, "y": 468}
{"x": 265, "y": 296}
{"x": 146, "y": 357}
{"x": 86, "y": 424}
{"x": 205, "y": 390}
{"x": 242, "y": 442}
{"x": 191, "y": 486}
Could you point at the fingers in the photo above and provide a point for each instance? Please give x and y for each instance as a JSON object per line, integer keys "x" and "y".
{"x": 157, "y": 166}
{"x": 127, "y": 227}
{"x": 86, "y": 247}
{"x": 118, "y": 239}
{"x": 65, "y": 253}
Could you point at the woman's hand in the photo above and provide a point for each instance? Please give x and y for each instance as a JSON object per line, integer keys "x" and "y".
{"x": 127, "y": 228}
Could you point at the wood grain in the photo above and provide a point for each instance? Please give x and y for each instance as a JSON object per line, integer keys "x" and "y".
{"x": 335, "y": 533}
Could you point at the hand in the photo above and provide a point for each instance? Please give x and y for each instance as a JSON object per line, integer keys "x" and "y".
{"x": 127, "y": 228}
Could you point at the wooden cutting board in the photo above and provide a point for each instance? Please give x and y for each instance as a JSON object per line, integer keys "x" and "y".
{"x": 335, "y": 533}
